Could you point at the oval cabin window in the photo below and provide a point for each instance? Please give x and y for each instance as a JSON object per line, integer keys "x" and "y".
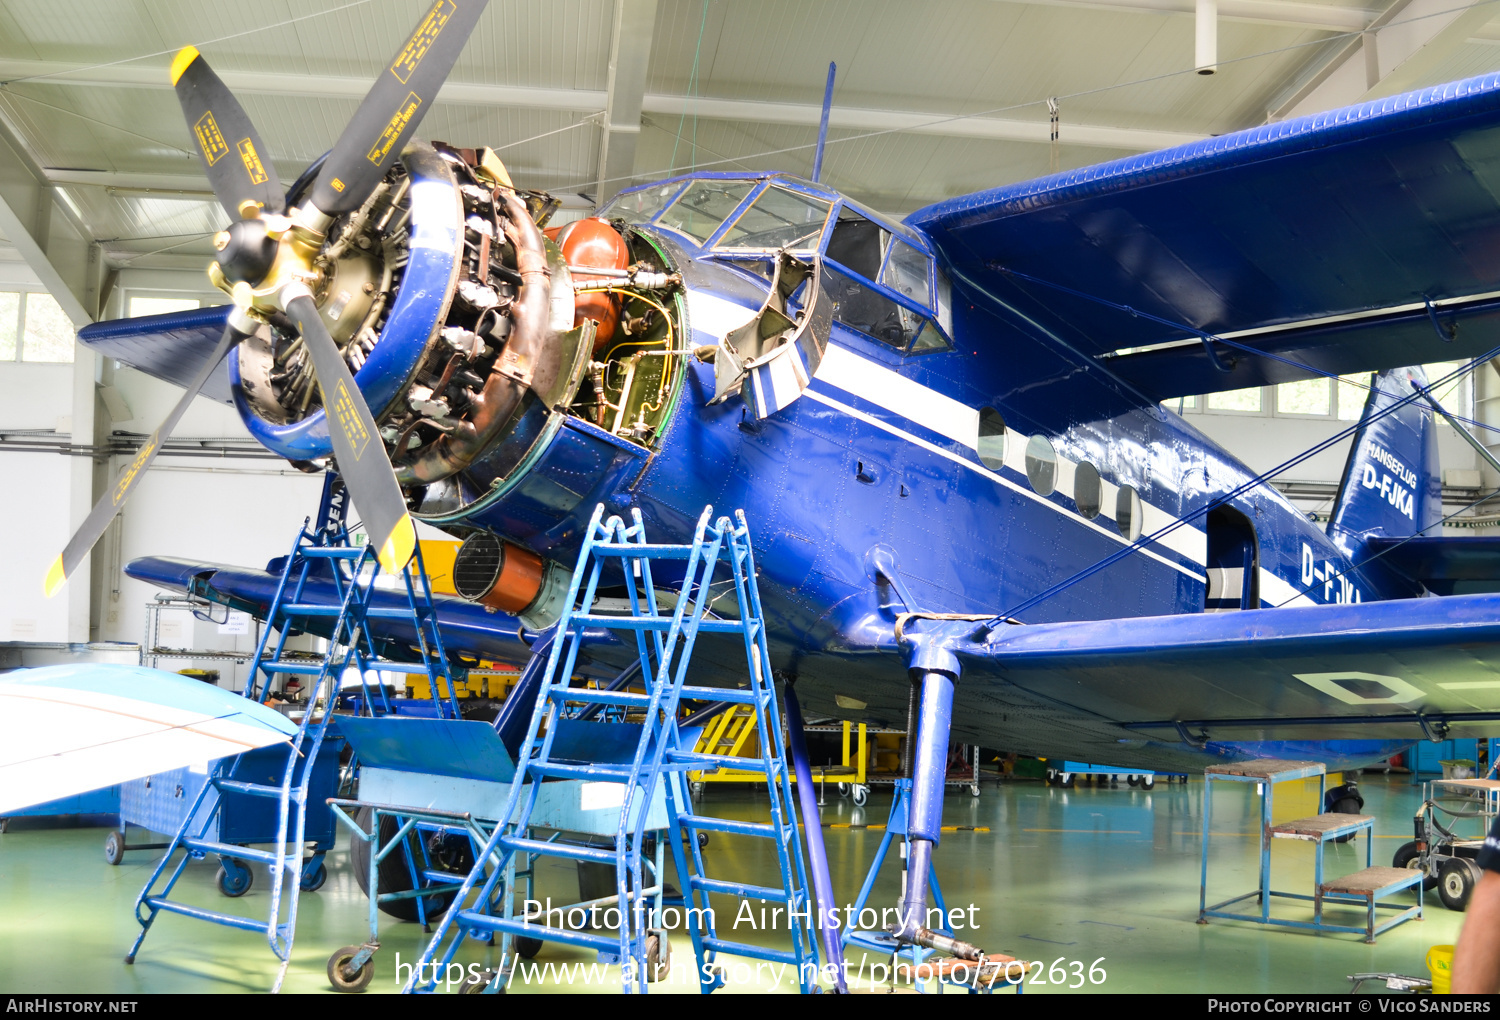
{"x": 1041, "y": 465}
{"x": 1087, "y": 490}
{"x": 1128, "y": 512}
{"x": 991, "y": 445}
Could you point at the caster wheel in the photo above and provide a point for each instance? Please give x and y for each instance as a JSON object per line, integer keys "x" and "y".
{"x": 973, "y": 789}
{"x": 1148, "y": 782}
{"x": 1133, "y": 780}
{"x": 695, "y": 790}
{"x": 1051, "y": 777}
{"x": 340, "y": 979}
{"x": 477, "y": 986}
{"x": 843, "y": 789}
{"x": 1456, "y": 881}
{"x": 314, "y": 874}
{"x": 702, "y": 840}
{"x": 114, "y": 847}
{"x": 658, "y": 957}
{"x": 861, "y": 795}
{"x": 527, "y": 947}
{"x": 1067, "y": 780}
{"x": 235, "y": 882}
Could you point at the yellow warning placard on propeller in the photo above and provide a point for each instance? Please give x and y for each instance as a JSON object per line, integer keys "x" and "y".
{"x": 122, "y": 487}
{"x": 422, "y": 39}
{"x": 346, "y": 412}
{"x": 402, "y": 117}
{"x": 253, "y": 166}
{"x": 210, "y": 138}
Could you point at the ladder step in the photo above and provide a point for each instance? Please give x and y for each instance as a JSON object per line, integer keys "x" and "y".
{"x": 662, "y": 623}
{"x": 694, "y": 761}
{"x": 294, "y": 795}
{"x": 593, "y": 854}
{"x": 293, "y": 666}
{"x": 561, "y": 694}
{"x": 733, "y": 825}
{"x": 232, "y": 920}
{"x": 326, "y": 609}
{"x": 650, "y": 552}
{"x": 330, "y": 552}
{"x": 742, "y": 890}
{"x": 597, "y": 772}
{"x": 516, "y": 926}
{"x": 242, "y": 853}
{"x": 734, "y": 695}
{"x": 753, "y": 952}
{"x": 386, "y": 666}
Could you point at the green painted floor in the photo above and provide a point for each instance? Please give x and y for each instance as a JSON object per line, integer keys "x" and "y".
{"x": 1106, "y": 876}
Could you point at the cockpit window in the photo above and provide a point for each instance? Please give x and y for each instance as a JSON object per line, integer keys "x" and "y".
{"x": 779, "y": 219}
{"x": 906, "y": 272}
{"x": 704, "y": 205}
{"x": 859, "y": 305}
{"x": 868, "y": 250}
{"x": 858, "y": 243}
{"x": 640, "y": 206}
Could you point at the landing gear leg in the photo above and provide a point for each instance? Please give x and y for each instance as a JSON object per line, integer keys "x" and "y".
{"x": 925, "y": 820}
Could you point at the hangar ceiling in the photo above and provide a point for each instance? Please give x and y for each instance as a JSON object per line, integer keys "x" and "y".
{"x": 585, "y": 96}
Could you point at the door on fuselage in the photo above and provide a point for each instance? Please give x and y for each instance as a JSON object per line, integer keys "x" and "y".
{"x": 1233, "y": 562}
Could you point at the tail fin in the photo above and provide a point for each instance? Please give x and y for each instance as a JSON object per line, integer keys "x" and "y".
{"x": 1392, "y": 486}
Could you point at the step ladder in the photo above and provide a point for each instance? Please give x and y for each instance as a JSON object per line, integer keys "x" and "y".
{"x": 662, "y": 754}
{"x": 320, "y": 557}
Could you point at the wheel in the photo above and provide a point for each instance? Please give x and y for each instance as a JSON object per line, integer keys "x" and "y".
{"x": 702, "y": 840}
{"x": 394, "y": 876}
{"x": 973, "y": 789}
{"x": 1052, "y": 777}
{"x": 1133, "y": 780}
{"x": 658, "y": 956}
{"x": 342, "y": 982}
{"x": 114, "y": 847}
{"x": 527, "y": 947}
{"x": 1148, "y": 782}
{"x": 314, "y": 874}
{"x": 861, "y": 795}
{"x": 234, "y": 879}
{"x": 1456, "y": 880}
{"x": 476, "y": 986}
{"x": 1407, "y": 856}
{"x": 843, "y": 789}
{"x": 695, "y": 790}
{"x": 1067, "y": 780}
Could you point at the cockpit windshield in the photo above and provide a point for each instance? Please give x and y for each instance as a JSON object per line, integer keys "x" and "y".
{"x": 704, "y": 205}
{"x": 779, "y": 219}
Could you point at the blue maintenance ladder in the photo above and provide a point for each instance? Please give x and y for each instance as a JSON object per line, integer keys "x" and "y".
{"x": 664, "y": 646}
{"x": 318, "y": 556}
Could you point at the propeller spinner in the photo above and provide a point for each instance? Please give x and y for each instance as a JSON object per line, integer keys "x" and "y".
{"x": 266, "y": 259}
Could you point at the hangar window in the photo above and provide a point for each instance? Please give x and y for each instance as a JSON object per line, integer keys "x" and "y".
{"x": 705, "y": 205}
{"x": 1088, "y": 492}
{"x": 991, "y": 444}
{"x": 779, "y": 219}
{"x": 1041, "y": 465}
{"x": 33, "y": 327}
{"x": 1128, "y": 512}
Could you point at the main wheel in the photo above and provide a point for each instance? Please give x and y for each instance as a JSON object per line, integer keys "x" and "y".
{"x": 343, "y": 982}
{"x": 394, "y": 875}
{"x": 1148, "y": 782}
{"x": 1407, "y": 856}
{"x": 861, "y": 794}
{"x": 314, "y": 874}
{"x": 1456, "y": 880}
{"x": 234, "y": 879}
{"x": 114, "y": 847}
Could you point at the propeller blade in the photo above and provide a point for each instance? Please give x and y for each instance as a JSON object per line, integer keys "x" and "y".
{"x": 356, "y": 443}
{"x": 393, "y": 107}
{"x": 104, "y": 511}
{"x": 237, "y": 164}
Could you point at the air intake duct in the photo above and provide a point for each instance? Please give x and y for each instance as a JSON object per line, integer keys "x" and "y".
{"x": 506, "y": 577}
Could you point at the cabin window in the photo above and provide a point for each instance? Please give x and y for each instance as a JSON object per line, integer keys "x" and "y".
{"x": 705, "y": 205}
{"x": 905, "y": 272}
{"x": 640, "y": 206}
{"x": 779, "y": 219}
{"x": 1041, "y": 465}
{"x": 857, "y": 304}
{"x": 1128, "y": 515}
{"x": 1088, "y": 492}
{"x": 991, "y": 445}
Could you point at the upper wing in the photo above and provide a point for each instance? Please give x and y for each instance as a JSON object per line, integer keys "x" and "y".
{"x": 1321, "y": 239}
{"x": 1401, "y": 669}
{"x": 66, "y": 730}
{"x": 171, "y": 346}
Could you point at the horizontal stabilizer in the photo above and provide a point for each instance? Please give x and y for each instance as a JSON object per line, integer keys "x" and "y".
{"x": 1445, "y": 566}
{"x": 171, "y": 347}
{"x": 1353, "y": 240}
{"x": 1403, "y": 669}
{"x": 66, "y": 730}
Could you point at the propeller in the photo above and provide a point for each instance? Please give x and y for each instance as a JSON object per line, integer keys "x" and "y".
{"x": 266, "y": 259}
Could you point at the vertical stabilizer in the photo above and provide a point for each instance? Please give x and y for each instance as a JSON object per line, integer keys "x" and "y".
{"x": 1392, "y": 486}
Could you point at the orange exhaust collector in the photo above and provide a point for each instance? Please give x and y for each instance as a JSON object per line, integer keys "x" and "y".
{"x": 497, "y": 574}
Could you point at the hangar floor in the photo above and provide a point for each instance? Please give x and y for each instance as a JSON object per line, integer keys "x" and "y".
{"x": 1077, "y": 875}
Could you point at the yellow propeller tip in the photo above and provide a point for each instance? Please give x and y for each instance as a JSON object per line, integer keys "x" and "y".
{"x": 396, "y": 553}
{"x": 185, "y": 56}
{"x": 55, "y": 577}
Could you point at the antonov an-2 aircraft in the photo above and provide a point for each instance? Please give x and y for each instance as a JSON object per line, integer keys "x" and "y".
{"x": 947, "y": 433}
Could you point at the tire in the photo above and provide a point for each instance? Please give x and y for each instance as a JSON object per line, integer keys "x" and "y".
{"x": 1133, "y": 780}
{"x": 234, "y": 879}
{"x": 973, "y": 789}
{"x": 658, "y": 957}
{"x": 1456, "y": 881}
{"x": 843, "y": 789}
{"x": 1051, "y": 777}
{"x": 314, "y": 874}
{"x": 527, "y": 947}
{"x": 1406, "y": 856}
{"x": 336, "y": 977}
{"x": 394, "y": 876}
{"x": 476, "y": 986}
{"x": 861, "y": 795}
{"x": 1067, "y": 780}
{"x": 114, "y": 847}
{"x": 1148, "y": 782}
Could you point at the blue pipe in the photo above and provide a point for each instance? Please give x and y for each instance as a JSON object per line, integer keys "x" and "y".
{"x": 812, "y": 827}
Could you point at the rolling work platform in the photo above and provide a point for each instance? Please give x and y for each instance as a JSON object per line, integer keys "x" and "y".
{"x": 306, "y": 771}
{"x": 659, "y": 753}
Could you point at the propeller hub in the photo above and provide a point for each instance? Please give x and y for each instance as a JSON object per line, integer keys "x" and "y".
{"x": 248, "y": 252}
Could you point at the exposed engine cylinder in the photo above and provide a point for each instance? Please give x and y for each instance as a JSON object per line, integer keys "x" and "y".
{"x": 594, "y": 243}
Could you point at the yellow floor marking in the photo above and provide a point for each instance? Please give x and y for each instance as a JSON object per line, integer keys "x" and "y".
{"x": 1105, "y": 832}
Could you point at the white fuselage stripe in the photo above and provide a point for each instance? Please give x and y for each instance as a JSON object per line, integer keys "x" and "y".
{"x": 893, "y": 391}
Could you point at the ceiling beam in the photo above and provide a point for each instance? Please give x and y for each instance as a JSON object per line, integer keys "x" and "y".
{"x": 586, "y": 101}
{"x": 1400, "y": 48}
{"x": 1266, "y": 12}
{"x": 629, "y": 56}
{"x": 28, "y": 204}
